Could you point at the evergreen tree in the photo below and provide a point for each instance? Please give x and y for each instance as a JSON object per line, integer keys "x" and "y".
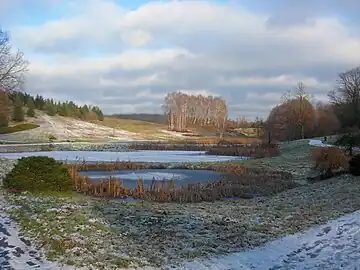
{"x": 4, "y": 109}
{"x": 18, "y": 112}
{"x": 98, "y": 112}
{"x": 50, "y": 109}
{"x": 31, "y": 107}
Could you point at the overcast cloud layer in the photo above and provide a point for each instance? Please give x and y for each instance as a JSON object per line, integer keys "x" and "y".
{"x": 125, "y": 58}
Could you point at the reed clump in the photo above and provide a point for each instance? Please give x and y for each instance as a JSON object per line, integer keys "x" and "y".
{"x": 254, "y": 150}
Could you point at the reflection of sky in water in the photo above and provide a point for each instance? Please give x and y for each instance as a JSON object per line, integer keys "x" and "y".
{"x": 144, "y": 176}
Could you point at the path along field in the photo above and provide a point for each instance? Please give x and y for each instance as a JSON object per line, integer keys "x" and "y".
{"x": 107, "y": 233}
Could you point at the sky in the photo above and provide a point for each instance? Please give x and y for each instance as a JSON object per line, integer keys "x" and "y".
{"x": 124, "y": 56}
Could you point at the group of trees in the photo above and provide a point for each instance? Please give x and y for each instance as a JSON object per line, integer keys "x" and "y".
{"x": 67, "y": 108}
{"x": 298, "y": 117}
{"x": 15, "y": 105}
{"x": 13, "y": 68}
{"x": 184, "y": 109}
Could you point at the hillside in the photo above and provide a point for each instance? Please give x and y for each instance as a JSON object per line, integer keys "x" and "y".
{"x": 110, "y": 129}
{"x": 148, "y": 117}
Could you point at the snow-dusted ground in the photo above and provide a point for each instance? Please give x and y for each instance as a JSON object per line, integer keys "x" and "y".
{"x": 319, "y": 143}
{"x": 136, "y": 156}
{"x": 68, "y": 128}
{"x": 335, "y": 245}
{"x": 16, "y": 252}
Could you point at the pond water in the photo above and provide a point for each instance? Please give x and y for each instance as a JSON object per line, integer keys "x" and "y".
{"x": 135, "y": 156}
{"x": 181, "y": 177}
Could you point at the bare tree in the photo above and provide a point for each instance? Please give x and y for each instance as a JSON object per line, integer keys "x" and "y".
{"x": 326, "y": 121}
{"x": 13, "y": 66}
{"x": 183, "y": 109}
{"x": 300, "y": 99}
{"x": 346, "y": 97}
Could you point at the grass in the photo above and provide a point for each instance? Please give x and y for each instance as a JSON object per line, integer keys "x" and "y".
{"x": 19, "y": 127}
{"x": 67, "y": 230}
{"x": 136, "y": 126}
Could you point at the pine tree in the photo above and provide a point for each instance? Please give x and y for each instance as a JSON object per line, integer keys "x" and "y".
{"x": 50, "y": 109}
{"x": 31, "y": 107}
{"x": 18, "y": 113}
{"x": 4, "y": 109}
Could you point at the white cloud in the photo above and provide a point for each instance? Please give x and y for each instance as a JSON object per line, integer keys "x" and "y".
{"x": 282, "y": 80}
{"x": 136, "y": 37}
{"x": 165, "y": 46}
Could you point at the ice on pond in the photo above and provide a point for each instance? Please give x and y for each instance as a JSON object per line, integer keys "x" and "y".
{"x": 180, "y": 177}
{"x": 135, "y": 156}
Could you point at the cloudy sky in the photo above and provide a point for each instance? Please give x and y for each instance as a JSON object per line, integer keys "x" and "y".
{"x": 124, "y": 56}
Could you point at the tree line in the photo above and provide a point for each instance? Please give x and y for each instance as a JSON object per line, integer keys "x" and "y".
{"x": 15, "y": 104}
{"x": 298, "y": 117}
{"x": 183, "y": 109}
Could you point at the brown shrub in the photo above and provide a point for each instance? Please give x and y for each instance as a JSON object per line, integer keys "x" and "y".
{"x": 329, "y": 159}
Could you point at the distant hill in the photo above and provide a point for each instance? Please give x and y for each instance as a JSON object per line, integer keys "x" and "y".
{"x": 148, "y": 117}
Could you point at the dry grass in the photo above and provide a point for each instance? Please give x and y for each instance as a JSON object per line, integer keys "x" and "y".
{"x": 216, "y": 141}
{"x": 254, "y": 151}
{"x": 250, "y": 132}
{"x": 135, "y": 126}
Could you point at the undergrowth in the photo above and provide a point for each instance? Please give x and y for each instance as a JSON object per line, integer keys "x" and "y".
{"x": 20, "y": 127}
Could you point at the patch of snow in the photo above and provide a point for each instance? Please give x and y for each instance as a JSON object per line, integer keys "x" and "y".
{"x": 335, "y": 245}
{"x": 136, "y": 156}
{"x": 64, "y": 128}
{"x": 319, "y": 143}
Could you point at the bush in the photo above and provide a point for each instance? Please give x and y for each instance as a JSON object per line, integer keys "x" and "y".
{"x": 38, "y": 174}
{"x": 52, "y": 138}
{"x": 330, "y": 159}
{"x": 20, "y": 127}
{"x": 349, "y": 141}
{"x": 354, "y": 165}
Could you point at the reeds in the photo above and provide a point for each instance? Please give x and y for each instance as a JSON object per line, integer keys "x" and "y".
{"x": 238, "y": 181}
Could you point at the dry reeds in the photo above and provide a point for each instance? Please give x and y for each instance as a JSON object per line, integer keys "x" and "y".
{"x": 216, "y": 141}
{"x": 239, "y": 181}
{"x": 253, "y": 150}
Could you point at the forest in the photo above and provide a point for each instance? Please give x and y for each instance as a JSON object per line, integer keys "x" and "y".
{"x": 15, "y": 105}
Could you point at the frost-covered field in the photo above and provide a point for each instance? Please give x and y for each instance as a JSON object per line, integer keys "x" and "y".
{"x": 135, "y": 156}
{"x": 258, "y": 233}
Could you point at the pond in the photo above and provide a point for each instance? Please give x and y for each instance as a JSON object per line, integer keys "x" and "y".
{"x": 181, "y": 177}
{"x": 134, "y": 156}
